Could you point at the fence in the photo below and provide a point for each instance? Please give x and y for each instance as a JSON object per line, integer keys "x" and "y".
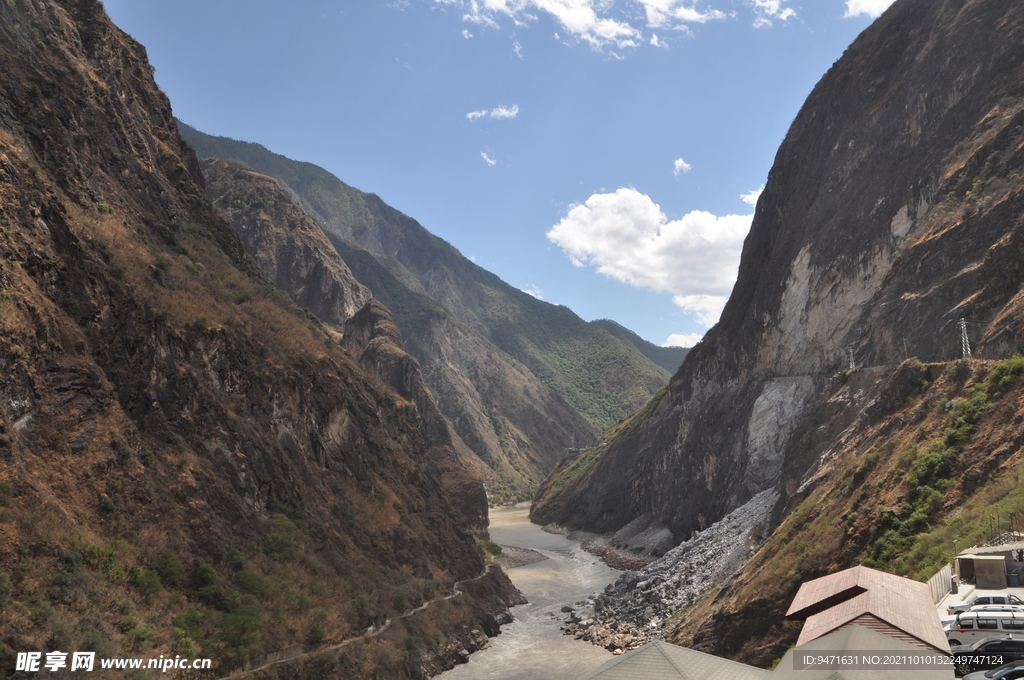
{"x": 941, "y": 583}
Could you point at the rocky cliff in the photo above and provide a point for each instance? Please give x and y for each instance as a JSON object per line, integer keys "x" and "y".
{"x": 520, "y": 380}
{"x": 289, "y": 247}
{"x": 189, "y": 464}
{"x": 892, "y": 211}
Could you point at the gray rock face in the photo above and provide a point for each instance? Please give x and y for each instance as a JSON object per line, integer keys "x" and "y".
{"x": 892, "y": 210}
{"x": 630, "y": 612}
{"x": 289, "y": 246}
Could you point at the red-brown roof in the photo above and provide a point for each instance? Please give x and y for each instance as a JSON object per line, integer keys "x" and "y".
{"x": 838, "y": 600}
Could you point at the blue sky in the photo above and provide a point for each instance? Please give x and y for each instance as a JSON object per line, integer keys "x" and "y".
{"x": 600, "y": 154}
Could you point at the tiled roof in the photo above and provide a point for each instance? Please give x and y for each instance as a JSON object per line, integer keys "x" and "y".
{"x": 853, "y": 639}
{"x": 896, "y": 602}
{"x": 663, "y": 661}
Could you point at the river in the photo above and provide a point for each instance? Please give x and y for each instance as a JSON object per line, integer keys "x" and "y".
{"x": 532, "y": 647}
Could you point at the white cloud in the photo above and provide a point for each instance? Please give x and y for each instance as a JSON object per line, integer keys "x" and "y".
{"x": 581, "y": 18}
{"x": 752, "y": 195}
{"x": 533, "y": 291}
{"x": 679, "y": 165}
{"x": 682, "y": 340}
{"x": 674, "y": 13}
{"x": 872, "y": 8}
{"x": 655, "y": 42}
{"x": 770, "y": 9}
{"x": 466, "y": 34}
{"x": 496, "y": 112}
{"x": 518, "y": 49}
{"x": 505, "y": 111}
{"x": 627, "y": 237}
{"x": 490, "y": 161}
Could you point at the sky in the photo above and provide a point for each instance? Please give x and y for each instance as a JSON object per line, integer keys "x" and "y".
{"x": 605, "y": 155}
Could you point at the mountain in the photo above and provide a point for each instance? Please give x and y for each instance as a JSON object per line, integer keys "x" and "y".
{"x": 668, "y": 358}
{"x": 191, "y": 464}
{"x": 892, "y": 212}
{"x": 288, "y": 246}
{"x": 520, "y": 380}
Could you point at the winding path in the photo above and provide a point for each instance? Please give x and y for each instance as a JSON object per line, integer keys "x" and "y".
{"x": 370, "y": 633}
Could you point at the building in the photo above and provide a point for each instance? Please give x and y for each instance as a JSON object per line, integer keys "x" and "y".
{"x": 856, "y": 613}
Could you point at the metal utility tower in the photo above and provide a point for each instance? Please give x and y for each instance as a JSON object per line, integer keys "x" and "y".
{"x": 965, "y": 343}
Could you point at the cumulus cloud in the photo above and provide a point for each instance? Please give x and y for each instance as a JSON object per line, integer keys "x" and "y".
{"x": 490, "y": 161}
{"x": 873, "y": 8}
{"x": 679, "y": 165}
{"x": 675, "y": 13}
{"x": 682, "y": 340}
{"x": 505, "y": 111}
{"x": 609, "y": 24}
{"x": 767, "y": 10}
{"x": 496, "y": 112}
{"x": 752, "y": 195}
{"x": 626, "y": 236}
{"x": 584, "y": 20}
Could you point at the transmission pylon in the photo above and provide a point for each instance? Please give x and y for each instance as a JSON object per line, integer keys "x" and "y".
{"x": 965, "y": 343}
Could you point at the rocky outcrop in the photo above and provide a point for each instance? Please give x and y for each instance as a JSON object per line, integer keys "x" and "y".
{"x": 892, "y": 211}
{"x": 292, "y": 250}
{"x": 372, "y": 337}
{"x": 289, "y": 247}
{"x": 188, "y": 463}
{"x": 631, "y": 612}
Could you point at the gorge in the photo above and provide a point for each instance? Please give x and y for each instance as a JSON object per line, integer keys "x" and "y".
{"x": 250, "y": 412}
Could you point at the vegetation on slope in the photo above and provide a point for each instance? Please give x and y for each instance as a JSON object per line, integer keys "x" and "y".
{"x": 940, "y": 460}
{"x": 668, "y": 358}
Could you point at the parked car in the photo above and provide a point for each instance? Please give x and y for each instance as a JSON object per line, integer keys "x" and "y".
{"x": 969, "y": 627}
{"x": 1008, "y": 671}
{"x": 983, "y": 599}
{"x": 987, "y": 653}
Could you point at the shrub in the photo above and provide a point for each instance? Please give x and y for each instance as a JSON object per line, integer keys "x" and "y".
{"x": 168, "y": 567}
{"x": 147, "y": 581}
{"x": 252, "y": 583}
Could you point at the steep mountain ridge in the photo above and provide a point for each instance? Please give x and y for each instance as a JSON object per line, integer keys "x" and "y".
{"x": 520, "y": 380}
{"x": 892, "y": 210}
{"x": 188, "y": 463}
{"x": 668, "y": 358}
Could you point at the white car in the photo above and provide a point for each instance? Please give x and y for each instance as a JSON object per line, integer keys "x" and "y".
{"x": 984, "y": 600}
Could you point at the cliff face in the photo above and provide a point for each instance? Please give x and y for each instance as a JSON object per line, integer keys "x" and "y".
{"x": 520, "y": 380}
{"x": 893, "y": 210}
{"x": 188, "y": 464}
{"x": 289, "y": 247}
{"x": 372, "y": 337}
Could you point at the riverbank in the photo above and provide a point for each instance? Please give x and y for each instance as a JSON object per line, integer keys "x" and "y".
{"x": 533, "y": 647}
{"x": 601, "y": 546}
{"x": 632, "y": 610}
{"x": 512, "y": 557}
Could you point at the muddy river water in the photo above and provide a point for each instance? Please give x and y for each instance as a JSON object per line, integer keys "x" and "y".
{"x": 532, "y": 647}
